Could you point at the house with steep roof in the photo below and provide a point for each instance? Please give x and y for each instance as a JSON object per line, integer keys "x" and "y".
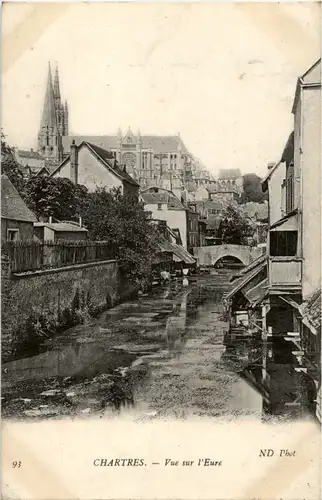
{"x": 32, "y": 162}
{"x": 164, "y": 205}
{"x": 17, "y": 220}
{"x": 94, "y": 167}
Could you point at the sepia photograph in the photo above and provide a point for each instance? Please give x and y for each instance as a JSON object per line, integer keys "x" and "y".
{"x": 161, "y": 250}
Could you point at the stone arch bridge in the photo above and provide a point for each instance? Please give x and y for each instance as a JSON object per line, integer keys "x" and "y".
{"x": 210, "y": 255}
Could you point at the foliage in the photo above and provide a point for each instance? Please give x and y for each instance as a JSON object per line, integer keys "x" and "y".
{"x": 10, "y": 167}
{"x": 123, "y": 222}
{"x": 252, "y": 189}
{"x": 234, "y": 226}
{"x": 56, "y": 197}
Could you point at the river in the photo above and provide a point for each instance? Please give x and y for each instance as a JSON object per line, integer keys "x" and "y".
{"x": 162, "y": 356}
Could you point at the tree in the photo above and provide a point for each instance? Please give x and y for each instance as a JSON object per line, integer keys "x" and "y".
{"x": 234, "y": 226}
{"x": 124, "y": 222}
{"x": 58, "y": 197}
{"x": 252, "y": 189}
{"x": 10, "y": 167}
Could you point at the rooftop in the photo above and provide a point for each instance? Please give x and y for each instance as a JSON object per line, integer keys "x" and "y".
{"x": 311, "y": 310}
{"x": 30, "y": 154}
{"x": 12, "y": 205}
{"x": 229, "y": 173}
{"x": 256, "y": 210}
{"x": 156, "y": 195}
{"x": 62, "y": 227}
{"x": 108, "y": 160}
{"x": 288, "y": 153}
{"x": 159, "y": 143}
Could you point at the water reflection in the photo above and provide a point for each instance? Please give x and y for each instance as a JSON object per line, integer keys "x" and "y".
{"x": 268, "y": 368}
{"x": 175, "y": 330}
{"x": 77, "y": 359}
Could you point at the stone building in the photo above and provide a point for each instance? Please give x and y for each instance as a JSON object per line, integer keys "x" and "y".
{"x": 230, "y": 179}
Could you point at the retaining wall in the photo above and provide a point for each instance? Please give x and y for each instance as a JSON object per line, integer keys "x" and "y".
{"x": 36, "y": 304}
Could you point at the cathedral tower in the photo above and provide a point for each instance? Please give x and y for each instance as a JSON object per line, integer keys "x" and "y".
{"x": 54, "y": 121}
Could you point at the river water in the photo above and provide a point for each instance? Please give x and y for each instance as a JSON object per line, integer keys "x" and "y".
{"x": 163, "y": 356}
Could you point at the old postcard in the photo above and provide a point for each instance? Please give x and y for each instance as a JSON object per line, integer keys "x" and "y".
{"x": 161, "y": 251}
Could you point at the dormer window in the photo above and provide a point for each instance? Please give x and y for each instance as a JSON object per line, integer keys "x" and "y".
{"x": 129, "y": 140}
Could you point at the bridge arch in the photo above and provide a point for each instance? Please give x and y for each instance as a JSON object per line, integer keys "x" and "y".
{"x": 239, "y": 259}
{"x": 210, "y": 255}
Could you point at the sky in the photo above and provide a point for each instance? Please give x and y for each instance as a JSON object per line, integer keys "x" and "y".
{"x": 223, "y": 75}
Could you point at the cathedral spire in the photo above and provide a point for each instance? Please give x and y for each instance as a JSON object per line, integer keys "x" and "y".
{"x": 57, "y": 85}
{"x": 49, "y": 112}
{"x": 66, "y": 121}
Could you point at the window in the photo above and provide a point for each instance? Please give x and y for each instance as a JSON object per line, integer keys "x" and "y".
{"x": 129, "y": 140}
{"x": 12, "y": 234}
{"x": 290, "y": 188}
{"x": 144, "y": 160}
{"x": 159, "y": 206}
{"x": 283, "y": 243}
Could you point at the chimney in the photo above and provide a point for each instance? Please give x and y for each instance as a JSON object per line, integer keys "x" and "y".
{"x": 80, "y": 222}
{"x": 74, "y": 163}
{"x": 50, "y": 220}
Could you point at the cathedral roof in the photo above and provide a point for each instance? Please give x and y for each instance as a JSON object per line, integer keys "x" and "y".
{"x": 159, "y": 143}
{"x": 229, "y": 173}
{"x": 30, "y": 154}
{"x": 49, "y": 112}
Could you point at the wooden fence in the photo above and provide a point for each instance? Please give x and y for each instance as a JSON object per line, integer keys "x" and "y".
{"x": 31, "y": 256}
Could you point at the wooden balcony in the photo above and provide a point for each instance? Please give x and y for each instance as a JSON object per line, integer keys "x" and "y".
{"x": 285, "y": 273}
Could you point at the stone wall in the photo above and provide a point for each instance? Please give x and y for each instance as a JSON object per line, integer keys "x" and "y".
{"x": 38, "y": 304}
